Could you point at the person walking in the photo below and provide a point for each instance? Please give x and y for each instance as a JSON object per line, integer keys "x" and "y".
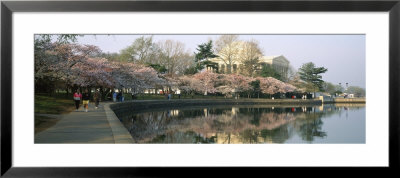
{"x": 86, "y": 98}
{"x": 119, "y": 96}
{"x": 114, "y": 96}
{"x": 96, "y": 98}
{"x": 77, "y": 98}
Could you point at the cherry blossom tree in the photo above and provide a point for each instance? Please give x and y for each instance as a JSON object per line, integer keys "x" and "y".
{"x": 234, "y": 83}
{"x": 268, "y": 85}
{"x": 239, "y": 83}
{"x": 77, "y": 65}
{"x": 93, "y": 72}
{"x": 289, "y": 88}
{"x": 189, "y": 84}
{"x": 271, "y": 85}
{"x": 61, "y": 58}
{"x": 55, "y": 63}
{"x": 134, "y": 76}
{"x": 207, "y": 81}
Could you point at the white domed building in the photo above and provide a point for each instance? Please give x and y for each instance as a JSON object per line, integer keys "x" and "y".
{"x": 230, "y": 61}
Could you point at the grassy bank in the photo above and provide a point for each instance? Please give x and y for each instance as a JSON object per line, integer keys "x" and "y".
{"x": 52, "y": 105}
{"x": 44, "y": 122}
{"x": 47, "y": 108}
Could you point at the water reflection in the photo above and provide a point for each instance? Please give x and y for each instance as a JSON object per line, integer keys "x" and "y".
{"x": 244, "y": 124}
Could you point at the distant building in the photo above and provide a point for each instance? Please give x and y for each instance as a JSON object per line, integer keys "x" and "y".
{"x": 279, "y": 63}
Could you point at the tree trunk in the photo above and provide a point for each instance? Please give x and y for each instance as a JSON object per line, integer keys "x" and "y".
{"x": 67, "y": 92}
{"x": 314, "y": 92}
{"x": 102, "y": 94}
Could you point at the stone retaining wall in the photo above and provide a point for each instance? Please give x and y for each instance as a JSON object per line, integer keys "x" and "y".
{"x": 140, "y": 105}
{"x": 349, "y": 100}
{"x": 120, "y": 133}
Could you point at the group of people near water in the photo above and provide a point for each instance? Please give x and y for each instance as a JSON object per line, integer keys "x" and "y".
{"x": 118, "y": 97}
{"x": 85, "y": 98}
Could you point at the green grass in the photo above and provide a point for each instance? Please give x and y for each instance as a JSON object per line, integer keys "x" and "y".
{"x": 56, "y": 104}
{"x": 42, "y": 123}
{"x": 52, "y": 105}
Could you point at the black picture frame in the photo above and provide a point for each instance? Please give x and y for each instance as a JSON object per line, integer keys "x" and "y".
{"x": 8, "y": 7}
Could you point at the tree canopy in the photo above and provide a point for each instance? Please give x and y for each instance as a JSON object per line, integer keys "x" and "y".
{"x": 357, "y": 91}
{"x": 249, "y": 55}
{"x": 204, "y": 52}
{"x": 310, "y": 74}
{"x": 142, "y": 50}
{"x": 62, "y": 64}
{"x": 268, "y": 71}
{"x": 68, "y": 65}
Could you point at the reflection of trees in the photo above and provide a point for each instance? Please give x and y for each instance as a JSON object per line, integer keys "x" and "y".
{"x": 278, "y": 135}
{"x": 242, "y": 127}
{"x": 147, "y": 125}
{"x": 309, "y": 124}
{"x": 181, "y": 137}
{"x": 250, "y": 136}
{"x": 157, "y": 126}
{"x": 311, "y": 127}
{"x": 228, "y": 125}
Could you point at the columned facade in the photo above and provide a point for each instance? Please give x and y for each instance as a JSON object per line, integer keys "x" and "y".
{"x": 279, "y": 63}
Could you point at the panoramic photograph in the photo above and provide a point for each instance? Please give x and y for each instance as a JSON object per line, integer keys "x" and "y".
{"x": 199, "y": 88}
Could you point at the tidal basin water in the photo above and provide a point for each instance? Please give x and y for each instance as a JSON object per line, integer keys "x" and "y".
{"x": 250, "y": 124}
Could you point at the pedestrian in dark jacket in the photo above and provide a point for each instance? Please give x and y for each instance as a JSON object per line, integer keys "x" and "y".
{"x": 96, "y": 98}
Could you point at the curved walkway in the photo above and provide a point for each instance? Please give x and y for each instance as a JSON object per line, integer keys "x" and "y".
{"x": 95, "y": 126}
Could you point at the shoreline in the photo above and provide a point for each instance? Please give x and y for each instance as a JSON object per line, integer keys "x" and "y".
{"x": 143, "y": 105}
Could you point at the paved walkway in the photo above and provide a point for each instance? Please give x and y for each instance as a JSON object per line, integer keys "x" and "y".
{"x": 95, "y": 126}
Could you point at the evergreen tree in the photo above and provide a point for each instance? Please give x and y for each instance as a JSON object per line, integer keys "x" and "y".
{"x": 311, "y": 75}
{"x": 205, "y": 51}
{"x": 268, "y": 71}
{"x": 159, "y": 68}
{"x": 256, "y": 87}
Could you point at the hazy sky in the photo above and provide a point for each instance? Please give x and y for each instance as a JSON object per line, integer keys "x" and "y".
{"x": 343, "y": 55}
